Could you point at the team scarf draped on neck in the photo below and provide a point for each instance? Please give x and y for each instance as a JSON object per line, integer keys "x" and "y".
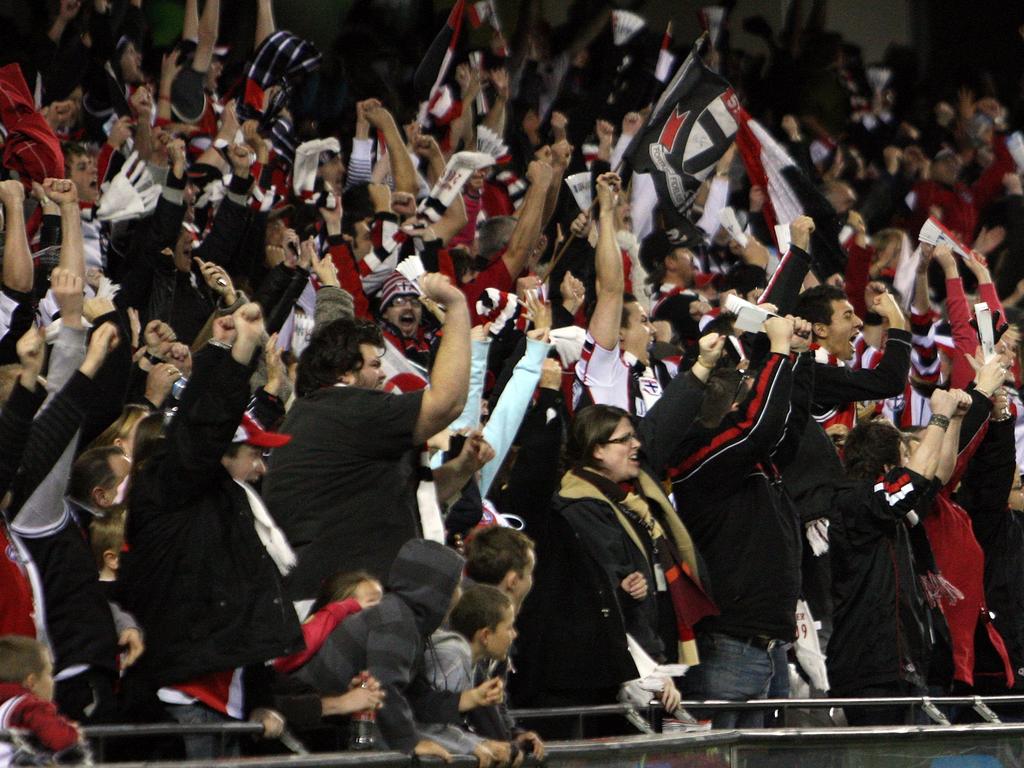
{"x": 675, "y": 552}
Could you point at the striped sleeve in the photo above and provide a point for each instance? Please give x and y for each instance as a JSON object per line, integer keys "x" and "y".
{"x": 360, "y": 163}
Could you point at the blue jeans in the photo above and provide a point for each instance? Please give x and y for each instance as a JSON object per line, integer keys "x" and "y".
{"x": 204, "y": 746}
{"x": 733, "y": 670}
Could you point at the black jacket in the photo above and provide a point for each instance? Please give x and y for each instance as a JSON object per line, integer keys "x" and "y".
{"x": 1000, "y": 532}
{"x": 881, "y": 625}
{"x": 388, "y": 641}
{"x": 196, "y": 574}
{"x": 731, "y": 498}
{"x": 572, "y": 628}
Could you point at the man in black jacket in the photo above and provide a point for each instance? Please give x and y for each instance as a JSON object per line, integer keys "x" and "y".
{"x": 882, "y": 643}
{"x": 838, "y": 388}
{"x": 197, "y": 573}
{"x": 731, "y": 498}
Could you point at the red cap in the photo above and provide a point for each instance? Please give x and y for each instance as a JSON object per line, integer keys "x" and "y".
{"x": 251, "y": 433}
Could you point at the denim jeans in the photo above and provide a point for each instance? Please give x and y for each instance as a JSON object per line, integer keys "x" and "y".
{"x": 733, "y": 670}
{"x": 204, "y": 746}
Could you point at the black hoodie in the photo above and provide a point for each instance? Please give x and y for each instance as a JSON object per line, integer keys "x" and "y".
{"x": 388, "y": 639}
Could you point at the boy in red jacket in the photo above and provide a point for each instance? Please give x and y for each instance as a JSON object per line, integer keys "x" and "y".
{"x": 26, "y": 696}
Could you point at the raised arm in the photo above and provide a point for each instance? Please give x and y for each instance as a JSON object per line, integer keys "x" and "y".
{"x": 72, "y": 251}
{"x": 209, "y": 23}
{"x": 747, "y": 434}
{"x": 449, "y": 378}
{"x": 17, "y": 269}
{"x": 607, "y": 317}
{"x": 925, "y": 459}
{"x": 402, "y": 169}
{"x": 524, "y": 236}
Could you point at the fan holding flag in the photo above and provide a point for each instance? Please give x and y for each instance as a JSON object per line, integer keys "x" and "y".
{"x": 689, "y": 129}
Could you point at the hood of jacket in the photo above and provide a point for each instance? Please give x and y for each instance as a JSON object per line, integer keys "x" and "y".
{"x": 424, "y": 577}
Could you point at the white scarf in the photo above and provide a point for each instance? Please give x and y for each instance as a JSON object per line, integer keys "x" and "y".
{"x": 273, "y": 538}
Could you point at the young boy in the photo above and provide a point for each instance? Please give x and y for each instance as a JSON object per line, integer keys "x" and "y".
{"x": 26, "y": 698}
{"x": 504, "y": 558}
{"x": 106, "y": 537}
{"x": 481, "y": 631}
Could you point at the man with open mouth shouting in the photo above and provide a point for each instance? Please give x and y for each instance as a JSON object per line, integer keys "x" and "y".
{"x": 400, "y": 318}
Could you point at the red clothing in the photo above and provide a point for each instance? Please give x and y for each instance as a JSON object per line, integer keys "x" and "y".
{"x": 315, "y": 631}
{"x": 349, "y": 278}
{"x": 31, "y": 148}
{"x": 20, "y": 708}
{"x": 220, "y": 691}
{"x": 473, "y": 203}
{"x": 16, "y": 606}
{"x": 962, "y": 562}
{"x": 495, "y": 276}
{"x": 960, "y": 204}
{"x": 858, "y": 265}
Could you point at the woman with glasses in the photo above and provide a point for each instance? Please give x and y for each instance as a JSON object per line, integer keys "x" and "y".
{"x": 613, "y": 556}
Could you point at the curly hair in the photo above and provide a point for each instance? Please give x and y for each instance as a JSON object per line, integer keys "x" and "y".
{"x": 333, "y": 351}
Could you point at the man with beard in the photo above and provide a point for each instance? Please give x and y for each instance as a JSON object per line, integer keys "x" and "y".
{"x": 401, "y": 313}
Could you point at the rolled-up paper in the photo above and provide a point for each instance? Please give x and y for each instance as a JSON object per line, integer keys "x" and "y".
{"x": 1015, "y": 145}
{"x": 625, "y": 24}
{"x": 783, "y": 238}
{"x": 933, "y": 233}
{"x": 727, "y": 217}
{"x": 749, "y": 317}
{"x": 986, "y": 334}
{"x": 582, "y": 191}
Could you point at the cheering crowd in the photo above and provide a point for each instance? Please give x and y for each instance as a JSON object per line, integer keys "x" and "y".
{"x": 364, "y": 393}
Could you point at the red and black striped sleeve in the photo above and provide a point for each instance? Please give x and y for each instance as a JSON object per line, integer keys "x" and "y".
{"x": 747, "y": 435}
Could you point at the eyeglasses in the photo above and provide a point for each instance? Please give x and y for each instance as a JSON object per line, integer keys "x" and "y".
{"x": 402, "y": 301}
{"x": 623, "y": 440}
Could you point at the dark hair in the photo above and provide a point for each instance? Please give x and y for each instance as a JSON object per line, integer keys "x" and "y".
{"x": 815, "y": 304}
{"x": 591, "y": 427}
{"x": 493, "y": 552}
{"x": 355, "y": 207}
{"x": 333, "y": 351}
{"x": 870, "y": 447}
{"x": 339, "y": 586}
{"x": 105, "y": 533}
{"x": 20, "y": 657}
{"x": 719, "y": 395}
{"x": 627, "y": 299}
{"x": 91, "y": 470}
{"x": 743, "y": 278}
{"x": 73, "y": 149}
{"x": 480, "y": 607}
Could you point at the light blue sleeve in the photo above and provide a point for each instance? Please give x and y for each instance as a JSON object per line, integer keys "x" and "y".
{"x": 470, "y": 416}
{"x": 508, "y": 414}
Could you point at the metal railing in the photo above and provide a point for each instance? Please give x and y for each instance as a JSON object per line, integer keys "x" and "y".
{"x": 649, "y": 726}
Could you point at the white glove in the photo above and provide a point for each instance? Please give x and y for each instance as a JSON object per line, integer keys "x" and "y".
{"x": 130, "y": 194}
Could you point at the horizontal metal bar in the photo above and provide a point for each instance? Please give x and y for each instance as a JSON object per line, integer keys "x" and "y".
{"x": 717, "y": 704}
{"x": 126, "y": 730}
